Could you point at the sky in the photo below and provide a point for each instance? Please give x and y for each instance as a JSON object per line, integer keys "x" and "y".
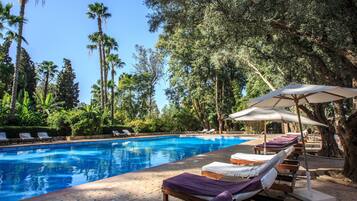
{"x": 59, "y": 29}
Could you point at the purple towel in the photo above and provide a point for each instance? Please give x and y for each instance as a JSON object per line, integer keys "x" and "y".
{"x": 280, "y": 142}
{"x": 203, "y": 186}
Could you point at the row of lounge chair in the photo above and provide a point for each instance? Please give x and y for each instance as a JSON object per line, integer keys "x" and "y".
{"x": 245, "y": 177}
{"x": 125, "y": 133}
{"x": 206, "y": 131}
{"x": 26, "y": 137}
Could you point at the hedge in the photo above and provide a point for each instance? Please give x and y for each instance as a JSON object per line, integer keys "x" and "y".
{"x": 13, "y": 131}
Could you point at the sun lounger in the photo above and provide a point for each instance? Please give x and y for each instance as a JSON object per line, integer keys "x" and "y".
{"x": 3, "y": 138}
{"x": 219, "y": 170}
{"x": 44, "y": 136}
{"x": 118, "y": 134}
{"x": 127, "y": 132}
{"x": 204, "y": 131}
{"x": 256, "y": 159}
{"x": 197, "y": 188}
{"x": 287, "y": 170}
{"x": 211, "y": 131}
{"x": 277, "y": 144}
{"x": 26, "y": 137}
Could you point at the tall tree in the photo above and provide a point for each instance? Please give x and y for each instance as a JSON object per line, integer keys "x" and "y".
{"x": 297, "y": 41}
{"x": 6, "y": 68}
{"x": 18, "y": 56}
{"x": 67, "y": 88}
{"x": 47, "y": 70}
{"x": 150, "y": 64}
{"x": 109, "y": 44}
{"x": 100, "y": 12}
{"x": 115, "y": 62}
{"x": 28, "y": 75}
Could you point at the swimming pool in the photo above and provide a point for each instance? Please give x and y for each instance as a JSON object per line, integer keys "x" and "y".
{"x": 34, "y": 170}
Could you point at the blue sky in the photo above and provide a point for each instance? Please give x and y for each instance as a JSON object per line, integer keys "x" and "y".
{"x": 59, "y": 29}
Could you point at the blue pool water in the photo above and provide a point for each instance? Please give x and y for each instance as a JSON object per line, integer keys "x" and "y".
{"x": 29, "y": 171}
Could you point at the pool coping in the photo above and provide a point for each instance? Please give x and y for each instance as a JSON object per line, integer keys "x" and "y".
{"x": 59, "y": 142}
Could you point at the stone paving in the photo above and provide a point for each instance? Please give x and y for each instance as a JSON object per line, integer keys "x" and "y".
{"x": 145, "y": 185}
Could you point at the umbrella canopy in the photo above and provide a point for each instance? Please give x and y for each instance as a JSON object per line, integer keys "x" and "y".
{"x": 287, "y": 96}
{"x": 298, "y": 94}
{"x": 264, "y": 114}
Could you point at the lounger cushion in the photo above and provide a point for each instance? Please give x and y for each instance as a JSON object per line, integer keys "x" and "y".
{"x": 203, "y": 186}
{"x": 259, "y": 157}
{"x": 280, "y": 142}
{"x": 252, "y": 157}
{"x": 231, "y": 170}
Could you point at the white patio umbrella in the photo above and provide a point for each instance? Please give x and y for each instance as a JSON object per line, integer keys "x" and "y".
{"x": 270, "y": 114}
{"x": 298, "y": 94}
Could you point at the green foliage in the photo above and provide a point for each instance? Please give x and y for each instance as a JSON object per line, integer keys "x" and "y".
{"x": 60, "y": 120}
{"x": 85, "y": 121}
{"x": 67, "y": 89}
{"x": 179, "y": 119}
{"x": 146, "y": 125}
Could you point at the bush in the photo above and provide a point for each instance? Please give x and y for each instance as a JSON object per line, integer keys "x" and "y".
{"x": 59, "y": 120}
{"x": 13, "y": 131}
{"x": 85, "y": 121}
{"x": 146, "y": 125}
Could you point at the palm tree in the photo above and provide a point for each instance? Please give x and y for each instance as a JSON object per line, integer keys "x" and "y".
{"x": 95, "y": 41}
{"x": 48, "y": 69}
{"x": 18, "y": 53}
{"x": 18, "y": 56}
{"x": 7, "y": 19}
{"x": 115, "y": 62}
{"x": 109, "y": 44}
{"x": 100, "y": 12}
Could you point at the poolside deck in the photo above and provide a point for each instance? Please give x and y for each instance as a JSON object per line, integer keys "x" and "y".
{"x": 145, "y": 185}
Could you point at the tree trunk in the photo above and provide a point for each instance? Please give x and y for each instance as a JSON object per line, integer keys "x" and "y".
{"x": 101, "y": 64}
{"x": 18, "y": 58}
{"x": 329, "y": 146}
{"x": 112, "y": 102}
{"x": 105, "y": 66}
{"x": 347, "y": 129}
{"x": 218, "y": 105}
{"x": 45, "y": 90}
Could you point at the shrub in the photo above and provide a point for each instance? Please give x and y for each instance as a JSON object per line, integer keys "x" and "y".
{"x": 85, "y": 121}
{"x": 59, "y": 120}
{"x": 146, "y": 125}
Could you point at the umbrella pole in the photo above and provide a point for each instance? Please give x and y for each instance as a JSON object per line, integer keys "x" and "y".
{"x": 265, "y": 137}
{"x": 308, "y": 177}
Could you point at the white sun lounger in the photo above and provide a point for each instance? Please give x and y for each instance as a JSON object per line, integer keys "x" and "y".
{"x": 243, "y": 158}
{"x": 204, "y": 131}
{"x": 230, "y": 170}
{"x": 43, "y": 136}
{"x": 211, "y": 131}
{"x": 118, "y": 134}
{"x": 3, "y": 137}
{"x": 127, "y": 132}
{"x": 26, "y": 137}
